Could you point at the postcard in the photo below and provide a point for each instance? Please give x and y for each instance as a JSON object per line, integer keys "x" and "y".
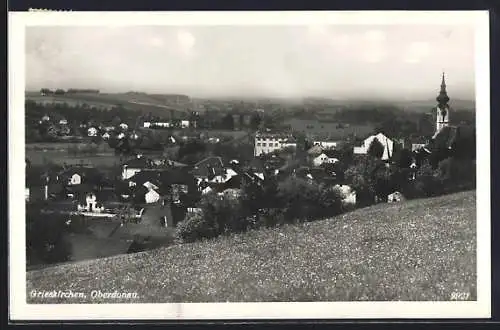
{"x": 249, "y": 165}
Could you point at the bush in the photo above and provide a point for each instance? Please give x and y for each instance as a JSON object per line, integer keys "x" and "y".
{"x": 304, "y": 201}
{"x": 219, "y": 215}
{"x": 195, "y": 227}
{"x": 45, "y": 239}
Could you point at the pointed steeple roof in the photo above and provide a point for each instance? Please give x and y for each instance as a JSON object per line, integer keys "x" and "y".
{"x": 443, "y": 97}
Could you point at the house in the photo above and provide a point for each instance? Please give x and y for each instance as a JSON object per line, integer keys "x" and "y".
{"x": 91, "y": 204}
{"x": 229, "y": 173}
{"x": 386, "y": 142}
{"x": 91, "y": 199}
{"x": 92, "y": 131}
{"x": 326, "y": 157}
{"x": 325, "y": 144}
{"x": 266, "y": 142}
{"x": 80, "y": 174}
{"x": 63, "y": 122}
{"x": 147, "y": 124}
{"x": 209, "y": 168}
{"x": 152, "y": 196}
{"x": 145, "y": 178}
{"x": 315, "y": 150}
{"x": 106, "y": 136}
{"x": 135, "y": 165}
{"x": 123, "y": 126}
{"x": 395, "y": 197}
{"x": 184, "y": 123}
{"x": 45, "y": 118}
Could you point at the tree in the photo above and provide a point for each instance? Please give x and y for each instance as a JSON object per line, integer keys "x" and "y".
{"x": 255, "y": 121}
{"x": 376, "y": 149}
{"x": 228, "y": 122}
{"x": 404, "y": 158}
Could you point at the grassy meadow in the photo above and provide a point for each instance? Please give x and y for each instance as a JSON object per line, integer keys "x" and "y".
{"x": 420, "y": 250}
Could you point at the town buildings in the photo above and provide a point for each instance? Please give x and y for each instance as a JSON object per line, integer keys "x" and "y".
{"x": 269, "y": 142}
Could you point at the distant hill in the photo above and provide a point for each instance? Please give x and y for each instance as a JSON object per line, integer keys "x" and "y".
{"x": 157, "y": 104}
{"x": 408, "y": 105}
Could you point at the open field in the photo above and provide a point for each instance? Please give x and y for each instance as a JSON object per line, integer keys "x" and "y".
{"x": 418, "y": 250}
{"x": 61, "y": 157}
{"x": 139, "y": 102}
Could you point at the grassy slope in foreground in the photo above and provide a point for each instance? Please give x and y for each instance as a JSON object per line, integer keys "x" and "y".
{"x": 419, "y": 250}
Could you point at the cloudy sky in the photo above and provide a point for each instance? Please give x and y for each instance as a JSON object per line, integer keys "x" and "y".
{"x": 397, "y": 61}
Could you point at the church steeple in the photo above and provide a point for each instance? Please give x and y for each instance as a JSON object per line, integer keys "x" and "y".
{"x": 442, "y": 109}
{"x": 443, "y": 96}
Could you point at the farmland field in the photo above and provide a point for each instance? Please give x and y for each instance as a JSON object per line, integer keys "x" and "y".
{"x": 141, "y": 102}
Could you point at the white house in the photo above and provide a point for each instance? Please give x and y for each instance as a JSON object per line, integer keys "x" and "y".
{"x": 45, "y": 118}
{"x": 395, "y": 197}
{"x": 269, "y": 142}
{"x": 326, "y": 144}
{"x": 75, "y": 179}
{"x": 151, "y": 196}
{"x": 63, "y": 122}
{"x": 184, "y": 123}
{"x": 206, "y": 190}
{"x": 386, "y": 142}
{"x": 123, "y": 126}
{"x": 134, "y": 166}
{"x": 149, "y": 185}
{"x": 324, "y": 158}
{"x": 91, "y": 204}
{"x": 417, "y": 146}
{"x": 92, "y": 131}
{"x": 147, "y": 124}
{"x": 224, "y": 177}
{"x": 106, "y": 136}
{"x": 120, "y": 136}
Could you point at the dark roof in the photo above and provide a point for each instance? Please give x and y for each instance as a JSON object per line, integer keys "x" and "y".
{"x": 331, "y": 153}
{"x": 211, "y": 166}
{"x": 445, "y": 137}
{"x": 145, "y": 176}
{"x": 138, "y": 162}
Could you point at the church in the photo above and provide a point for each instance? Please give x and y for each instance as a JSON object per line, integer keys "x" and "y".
{"x": 458, "y": 139}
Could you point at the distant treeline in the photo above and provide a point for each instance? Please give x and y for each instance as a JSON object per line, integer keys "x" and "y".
{"x": 47, "y": 91}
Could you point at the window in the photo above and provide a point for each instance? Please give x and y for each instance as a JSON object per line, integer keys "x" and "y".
{"x": 264, "y": 144}
{"x": 258, "y": 144}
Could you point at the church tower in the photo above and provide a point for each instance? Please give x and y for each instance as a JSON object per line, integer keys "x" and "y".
{"x": 442, "y": 109}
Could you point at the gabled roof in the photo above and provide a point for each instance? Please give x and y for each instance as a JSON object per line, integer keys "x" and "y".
{"x": 211, "y": 166}
{"x": 315, "y": 150}
{"x": 331, "y": 153}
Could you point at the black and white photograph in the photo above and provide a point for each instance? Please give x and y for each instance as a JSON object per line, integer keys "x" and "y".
{"x": 234, "y": 165}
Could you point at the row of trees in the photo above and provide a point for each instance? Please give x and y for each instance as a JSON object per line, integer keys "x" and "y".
{"x": 60, "y": 91}
{"x": 270, "y": 204}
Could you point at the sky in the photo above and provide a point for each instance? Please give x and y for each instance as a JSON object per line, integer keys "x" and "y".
{"x": 334, "y": 61}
